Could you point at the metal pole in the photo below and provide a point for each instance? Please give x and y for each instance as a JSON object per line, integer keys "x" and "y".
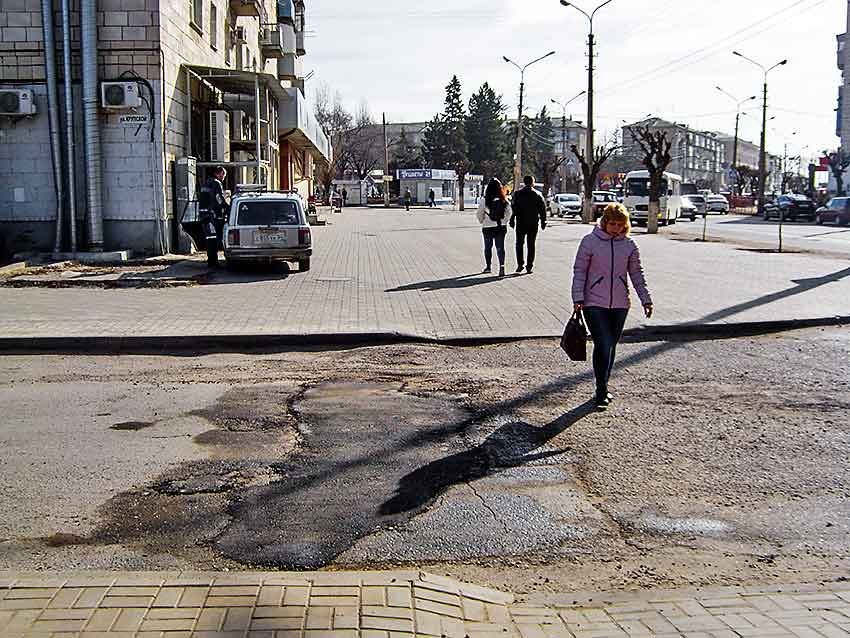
{"x": 258, "y": 129}
{"x": 188, "y": 147}
{"x": 70, "y": 154}
{"x": 587, "y": 213}
{"x": 518, "y": 160}
{"x": 53, "y": 116}
{"x": 763, "y": 151}
{"x": 91, "y": 123}
{"x": 386, "y": 184}
{"x": 564, "y": 152}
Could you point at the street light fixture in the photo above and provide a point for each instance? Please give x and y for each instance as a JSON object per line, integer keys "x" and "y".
{"x": 587, "y": 212}
{"x": 563, "y": 106}
{"x": 763, "y": 152}
{"x": 738, "y": 105}
{"x": 518, "y": 159}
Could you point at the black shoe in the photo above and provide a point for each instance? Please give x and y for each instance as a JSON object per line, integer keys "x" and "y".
{"x": 601, "y": 400}
{"x": 487, "y": 269}
{"x": 501, "y": 271}
{"x": 518, "y": 269}
{"x": 529, "y": 270}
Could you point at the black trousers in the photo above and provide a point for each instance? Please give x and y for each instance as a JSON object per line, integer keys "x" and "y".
{"x": 525, "y": 236}
{"x": 606, "y": 328}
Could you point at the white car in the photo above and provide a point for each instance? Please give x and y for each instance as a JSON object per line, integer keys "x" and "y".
{"x": 567, "y": 204}
{"x": 266, "y": 226}
{"x": 717, "y": 204}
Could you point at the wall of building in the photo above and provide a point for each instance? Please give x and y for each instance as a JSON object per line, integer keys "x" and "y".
{"x": 127, "y": 36}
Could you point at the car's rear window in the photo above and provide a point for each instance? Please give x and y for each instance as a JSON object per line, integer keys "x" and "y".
{"x": 268, "y": 213}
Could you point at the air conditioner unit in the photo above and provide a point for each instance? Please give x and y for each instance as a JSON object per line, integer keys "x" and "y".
{"x": 219, "y": 136}
{"x": 242, "y": 126}
{"x": 17, "y": 102}
{"x": 120, "y": 95}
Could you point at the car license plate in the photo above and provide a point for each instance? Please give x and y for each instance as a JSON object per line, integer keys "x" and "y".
{"x": 270, "y": 237}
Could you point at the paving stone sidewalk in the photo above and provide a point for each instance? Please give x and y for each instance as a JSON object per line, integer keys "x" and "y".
{"x": 394, "y": 604}
{"x": 419, "y": 273}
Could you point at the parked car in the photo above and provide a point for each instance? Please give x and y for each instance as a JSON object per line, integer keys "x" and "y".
{"x": 836, "y": 210}
{"x": 600, "y": 200}
{"x": 717, "y": 204}
{"x": 790, "y": 207}
{"x": 267, "y": 226}
{"x": 567, "y": 204}
{"x": 699, "y": 202}
{"x": 688, "y": 209}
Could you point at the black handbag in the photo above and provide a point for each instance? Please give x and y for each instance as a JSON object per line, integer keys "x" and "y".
{"x": 574, "y": 340}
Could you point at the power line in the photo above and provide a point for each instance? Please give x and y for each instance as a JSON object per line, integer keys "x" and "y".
{"x": 719, "y": 43}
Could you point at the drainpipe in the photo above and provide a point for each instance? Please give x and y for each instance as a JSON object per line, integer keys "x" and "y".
{"x": 70, "y": 159}
{"x": 91, "y": 130}
{"x": 53, "y": 115}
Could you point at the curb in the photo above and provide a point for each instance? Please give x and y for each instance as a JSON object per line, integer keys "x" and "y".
{"x": 191, "y": 344}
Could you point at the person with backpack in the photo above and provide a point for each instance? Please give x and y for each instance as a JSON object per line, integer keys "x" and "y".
{"x": 600, "y": 290}
{"x": 494, "y": 211}
{"x": 529, "y": 208}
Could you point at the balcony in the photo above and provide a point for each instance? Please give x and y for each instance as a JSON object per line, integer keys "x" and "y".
{"x": 299, "y": 43}
{"x": 290, "y": 67}
{"x": 286, "y": 12}
{"x": 277, "y": 41}
{"x": 246, "y": 8}
{"x": 842, "y": 41}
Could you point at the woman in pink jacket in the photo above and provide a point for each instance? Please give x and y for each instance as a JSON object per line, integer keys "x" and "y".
{"x": 600, "y": 289}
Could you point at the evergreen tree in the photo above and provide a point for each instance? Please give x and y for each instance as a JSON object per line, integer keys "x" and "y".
{"x": 406, "y": 154}
{"x": 539, "y": 154}
{"x": 434, "y": 143}
{"x": 485, "y": 134}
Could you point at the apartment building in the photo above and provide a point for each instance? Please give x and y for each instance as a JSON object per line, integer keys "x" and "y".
{"x": 698, "y": 156}
{"x": 103, "y": 143}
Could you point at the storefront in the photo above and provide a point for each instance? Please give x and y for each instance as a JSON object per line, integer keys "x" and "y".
{"x": 444, "y": 183}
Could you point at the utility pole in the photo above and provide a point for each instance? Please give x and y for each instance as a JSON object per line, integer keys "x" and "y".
{"x": 587, "y": 209}
{"x": 763, "y": 151}
{"x": 518, "y": 158}
{"x": 386, "y": 184}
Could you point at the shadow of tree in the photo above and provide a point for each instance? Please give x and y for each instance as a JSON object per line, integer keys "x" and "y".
{"x": 463, "y": 281}
{"x": 509, "y": 446}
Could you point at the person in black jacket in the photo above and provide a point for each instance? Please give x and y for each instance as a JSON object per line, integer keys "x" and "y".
{"x": 528, "y": 208}
{"x": 212, "y": 209}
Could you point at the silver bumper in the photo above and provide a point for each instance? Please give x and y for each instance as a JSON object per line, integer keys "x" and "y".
{"x": 267, "y": 253}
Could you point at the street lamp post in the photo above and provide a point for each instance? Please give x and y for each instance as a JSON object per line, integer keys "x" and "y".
{"x": 587, "y": 213}
{"x": 518, "y": 159}
{"x": 763, "y": 152}
{"x": 563, "y": 106}
{"x": 738, "y": 105}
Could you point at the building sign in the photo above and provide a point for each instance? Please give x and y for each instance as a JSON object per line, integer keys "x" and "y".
{"x": 133, "y": 120}
{"x": 426, "y": 173}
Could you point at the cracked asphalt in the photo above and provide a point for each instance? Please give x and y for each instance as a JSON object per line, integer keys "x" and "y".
{"x": 720, "y": 462}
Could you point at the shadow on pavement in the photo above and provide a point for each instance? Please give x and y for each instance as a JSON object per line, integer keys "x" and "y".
{"x": 464, "y": 281}
{"x": 509, "y": 446}
{"x": 246, "y": 273}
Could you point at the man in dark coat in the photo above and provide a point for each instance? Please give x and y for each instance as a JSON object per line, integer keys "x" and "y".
{"x": 529, "y": 208}
{"x": 212, "y": 209}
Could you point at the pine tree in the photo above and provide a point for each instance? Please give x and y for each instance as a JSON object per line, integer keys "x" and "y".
{"x": 434, "y": 143}
{"x": 406, "y": 154}
{"x": 540, "y": 156}
{"x": 485, "y": 134}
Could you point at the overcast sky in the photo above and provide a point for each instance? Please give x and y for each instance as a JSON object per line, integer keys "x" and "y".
{"x": 663, "y": 57}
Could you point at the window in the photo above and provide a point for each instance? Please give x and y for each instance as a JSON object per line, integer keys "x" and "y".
{"x": 213, "y": 26}
{"x": 196, "y": 15}
{"x": 281, "y": 213}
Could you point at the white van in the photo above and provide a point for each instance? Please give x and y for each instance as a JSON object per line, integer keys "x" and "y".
{"x": 636, "y": 198}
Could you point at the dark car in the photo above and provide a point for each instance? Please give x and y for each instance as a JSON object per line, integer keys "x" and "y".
{"x": 790, "y": 207}
{"x": 836, "y": 210}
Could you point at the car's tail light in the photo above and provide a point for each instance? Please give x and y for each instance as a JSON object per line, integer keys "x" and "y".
{"x": 304, "y": 237}
{"x": 233, "y": 237}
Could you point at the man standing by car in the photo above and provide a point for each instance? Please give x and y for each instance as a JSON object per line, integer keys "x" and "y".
{"x": 212, "y": 209}
{"x": 529, "y": 207}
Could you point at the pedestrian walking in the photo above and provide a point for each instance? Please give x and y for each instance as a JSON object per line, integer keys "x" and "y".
{"x": 493, "y": 212}
{"x": 344, "y": 197}
{"x": 408, "y": 198}
{"x": 529, "y": 209}
{"x": 432, "y": 196}
{"x": 600, "y": 290}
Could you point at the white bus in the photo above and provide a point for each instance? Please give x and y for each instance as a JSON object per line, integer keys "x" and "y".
{"x": 636, "y": 197}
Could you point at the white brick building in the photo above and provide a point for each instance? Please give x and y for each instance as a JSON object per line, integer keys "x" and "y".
{"x": 186, "y": 58}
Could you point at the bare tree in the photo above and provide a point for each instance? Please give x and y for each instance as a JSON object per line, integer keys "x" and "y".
{"x": 335, "y": 122}
{"x": 590, "y": 172}
{"x": 365, "y": 144}
{"x": 656, "y": 158}
{"x": 839, "y": 162}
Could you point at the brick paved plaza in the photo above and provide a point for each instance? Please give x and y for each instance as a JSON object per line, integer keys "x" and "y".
{"x": 394, "y": 604}
{"x": 419, "y": 274}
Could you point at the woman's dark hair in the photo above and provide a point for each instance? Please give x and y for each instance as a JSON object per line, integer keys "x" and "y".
{"x": 494, "y": 191}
